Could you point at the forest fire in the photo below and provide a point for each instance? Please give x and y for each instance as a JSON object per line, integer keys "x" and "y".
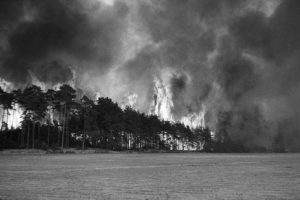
{"x": 166, "y": 91}
{"x": 201, "y": 69}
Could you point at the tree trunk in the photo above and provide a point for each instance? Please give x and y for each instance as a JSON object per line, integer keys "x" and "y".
{"x": 67, "y": 137}
{"x": 39, "y": 131}
{"x": 67, "y": 132}
{"x": 48, "y": 135}
{"x": 59, "y": 127}
{"x": 22, "y": 136}
{"x": 2, "y": 120}
{"x": 7, "y": 114}
{"x": 12, "y": 123}
{"x": 63, "y": 128}
{"x": 28, "y": 133}
{"x": 13, "y": 118}
{"x": 83, "y": 140}
{"x": 33, "y": 134}
{"x": 58, "y": 136}
{"x": 5, "y": 136}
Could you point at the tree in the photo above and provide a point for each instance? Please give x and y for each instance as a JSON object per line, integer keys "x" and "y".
{"x": 153, "y": 128}
{"x": 109, "y": 122}
{"x": 35, "y": 106}
{"x": 50, "y": 98}
{"x": 88, "y": 118}
{"x": 65, "y": 97}
{"x": 206, "y": 139}
{"x": 6, "y": 100}
{"x": 101, "y": 124}
{"x": 17, "y": 95}
{"x": 134, "y": 126}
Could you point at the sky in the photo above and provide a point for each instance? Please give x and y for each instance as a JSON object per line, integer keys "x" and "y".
{"x": 232, "y": 66}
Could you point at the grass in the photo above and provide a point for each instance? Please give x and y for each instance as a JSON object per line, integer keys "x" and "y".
{"x": 151, "y": 176}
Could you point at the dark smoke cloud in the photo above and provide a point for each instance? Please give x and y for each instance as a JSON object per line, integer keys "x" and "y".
{"x": 57, "y": 29}
{"x": 5, "y": 11}
{"x": 275, "y": 40}
{"x": 285, "y": 30}
{"x": 53, "y": 72}
{"x": 235, "y": 74}
{"x": 252, "y": 31}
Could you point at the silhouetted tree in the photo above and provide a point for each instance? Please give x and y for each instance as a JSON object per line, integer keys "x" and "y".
{"x": 65, "y": 97}
{"x": 6, "y": 100}
{"x": 35, "y": 106}
{"x": 99, "y": 124}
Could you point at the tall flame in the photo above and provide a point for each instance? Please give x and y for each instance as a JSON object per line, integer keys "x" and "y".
{"x": 12, "y": 117}
{"x": 163, "y": 103}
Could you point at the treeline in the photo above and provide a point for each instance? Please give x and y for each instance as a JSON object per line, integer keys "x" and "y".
{"x": 60, "y": 119}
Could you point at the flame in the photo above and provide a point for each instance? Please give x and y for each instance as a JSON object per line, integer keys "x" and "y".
{"x": 194, "y": 120}
{"x": 12, "y": 117}
{"x": 163, "y": 105}
{"x": 15, "y": 117}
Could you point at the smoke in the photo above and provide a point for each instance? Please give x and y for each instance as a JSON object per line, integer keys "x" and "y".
{"x": 230, "y": 65}
{"x": 53, "y": 72}
{"x": 238, "y": 56}
{"x": 73, "y": 32}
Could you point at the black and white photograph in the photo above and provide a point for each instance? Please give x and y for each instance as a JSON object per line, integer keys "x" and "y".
{"x": 150, "y": 99}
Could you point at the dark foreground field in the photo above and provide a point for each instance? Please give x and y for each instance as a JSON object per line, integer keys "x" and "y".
{"x": 151, "y": 176}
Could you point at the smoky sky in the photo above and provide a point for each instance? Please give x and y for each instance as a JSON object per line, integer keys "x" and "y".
{"x": 238, "y": 59}
{"x": 35, "y": 31}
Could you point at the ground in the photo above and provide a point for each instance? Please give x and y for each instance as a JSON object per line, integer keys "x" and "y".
{"x": 151, "y": 176}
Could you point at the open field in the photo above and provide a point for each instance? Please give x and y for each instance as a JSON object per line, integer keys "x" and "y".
{"x": 151, "y": 176}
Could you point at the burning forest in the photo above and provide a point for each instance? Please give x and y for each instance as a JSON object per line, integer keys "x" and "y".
{"x": 143, "y": 74}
